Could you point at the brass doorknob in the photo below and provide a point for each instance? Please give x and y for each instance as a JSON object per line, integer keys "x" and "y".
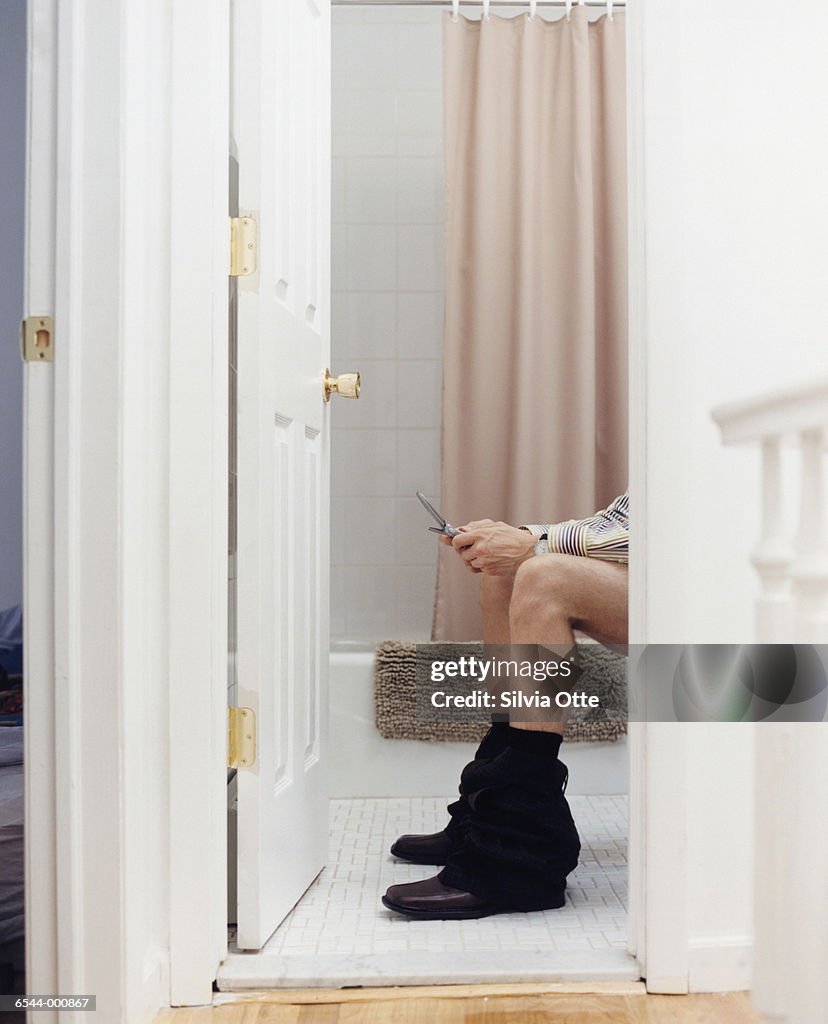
{"x": 346, "y": 384}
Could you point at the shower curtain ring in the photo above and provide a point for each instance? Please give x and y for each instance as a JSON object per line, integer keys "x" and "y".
{"x": 455, "y": 9}
{"x": 609, "y": 9}
{"x": 533, "y": 6}
{"x": 568, "y": 9}
{"x": 486, "y": 4}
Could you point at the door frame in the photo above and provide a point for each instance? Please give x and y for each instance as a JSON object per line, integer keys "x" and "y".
{"x": 125, "y": 471}
{"x": 657, "y": 853}
{"x": 198, "y": 475}
{"x": 163, "y": 370}
{"x": 38, "y": 497}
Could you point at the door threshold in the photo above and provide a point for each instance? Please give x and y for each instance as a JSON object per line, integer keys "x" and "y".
{"x": 243, "y": 971}
{"x": 339, "y": 935}
{"x": 378, "y": 993}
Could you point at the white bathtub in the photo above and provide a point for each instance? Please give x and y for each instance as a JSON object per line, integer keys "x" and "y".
{"x": 365, "y": 764}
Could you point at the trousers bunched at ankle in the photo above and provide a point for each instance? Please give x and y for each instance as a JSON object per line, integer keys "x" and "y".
{"x": 492, "y": 744}
{"x": 513, "y": 839}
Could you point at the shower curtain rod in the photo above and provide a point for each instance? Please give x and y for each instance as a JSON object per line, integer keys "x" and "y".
{"x": 468, "y": 3}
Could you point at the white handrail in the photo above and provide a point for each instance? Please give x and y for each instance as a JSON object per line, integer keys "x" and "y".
{"x": 776, "y": 414}
{"x": 792, "y": 567}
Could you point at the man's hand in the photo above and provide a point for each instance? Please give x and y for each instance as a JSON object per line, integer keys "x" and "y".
{"x": 496, "y": 549}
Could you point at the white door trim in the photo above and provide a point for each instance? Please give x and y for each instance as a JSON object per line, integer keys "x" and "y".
{"x": 637, "y": 390}
{"x": 38, "y": 499}
{"x": 198, "y": 436}
{"x": 88, "y": 258}
{"x": 658, "y": 868}
{"x": 126, "y": 503}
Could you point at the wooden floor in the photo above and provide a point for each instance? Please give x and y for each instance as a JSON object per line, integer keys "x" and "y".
{"x": 469, "y": 1004}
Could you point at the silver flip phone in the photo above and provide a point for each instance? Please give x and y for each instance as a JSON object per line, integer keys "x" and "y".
{"x": 444, "y": 528}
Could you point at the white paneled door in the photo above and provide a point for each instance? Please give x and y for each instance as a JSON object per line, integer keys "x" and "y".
{"x": 280, "y": 123}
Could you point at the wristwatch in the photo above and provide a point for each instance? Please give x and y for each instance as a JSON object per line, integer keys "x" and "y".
{"x": 541, "y": 544}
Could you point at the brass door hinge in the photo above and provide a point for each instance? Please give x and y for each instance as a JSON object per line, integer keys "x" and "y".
{"x": 37, "y": 339}
{"x": 243, "y": 246}
{"x": 241, "y": 737}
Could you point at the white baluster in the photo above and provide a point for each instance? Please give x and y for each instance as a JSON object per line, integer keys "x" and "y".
{"x": 773, "y": 554}
{"x": 810, "y": 567}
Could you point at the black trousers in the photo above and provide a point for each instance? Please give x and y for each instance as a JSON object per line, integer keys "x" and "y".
{"x": 513, "y": 834}
{"x": 490, "y": 746}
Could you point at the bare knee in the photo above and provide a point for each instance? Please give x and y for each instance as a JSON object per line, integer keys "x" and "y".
{"x": 542, "y": 583}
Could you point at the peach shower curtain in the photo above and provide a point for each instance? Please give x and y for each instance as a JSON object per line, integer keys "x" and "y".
{"x": 535, "y": 360}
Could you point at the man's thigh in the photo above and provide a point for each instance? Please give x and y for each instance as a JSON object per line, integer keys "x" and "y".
{"x": 594, "y": 594}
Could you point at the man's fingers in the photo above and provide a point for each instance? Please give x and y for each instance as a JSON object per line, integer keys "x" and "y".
{"x": 468, "y": 552}
{"x": 464, "y": 540}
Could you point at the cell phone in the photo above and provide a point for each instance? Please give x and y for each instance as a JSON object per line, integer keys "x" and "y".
{"x": 444, "y": 528}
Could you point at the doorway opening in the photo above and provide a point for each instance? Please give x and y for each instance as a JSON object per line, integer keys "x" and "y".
{"x": 387, "y": 322}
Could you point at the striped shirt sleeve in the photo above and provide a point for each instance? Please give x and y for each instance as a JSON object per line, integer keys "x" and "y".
{"x": 605, "y": 535}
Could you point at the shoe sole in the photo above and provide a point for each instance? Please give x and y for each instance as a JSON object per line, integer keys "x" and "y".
{"x": 461, "y": 915}
{"x": 436, "y": 915}
{"x": 417, "y": 860}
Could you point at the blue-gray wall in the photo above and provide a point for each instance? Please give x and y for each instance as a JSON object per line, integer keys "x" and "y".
{"x": 12, "y": 171}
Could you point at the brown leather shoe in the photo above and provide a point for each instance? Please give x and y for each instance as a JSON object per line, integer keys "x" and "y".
{"x": 429, "y": 849}
{"x": 430, "y": 900}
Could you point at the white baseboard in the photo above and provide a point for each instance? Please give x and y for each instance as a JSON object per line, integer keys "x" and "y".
{"x": 721, "y": 964}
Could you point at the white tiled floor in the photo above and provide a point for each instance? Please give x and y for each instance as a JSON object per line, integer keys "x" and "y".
{"x": 340, "y": 934}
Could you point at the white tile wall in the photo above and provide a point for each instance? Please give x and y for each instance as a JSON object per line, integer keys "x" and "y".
{"x": 420, "y": 257}
{"x": 418, "y": 461}
{"x": 366, "y": 464}
{"x": 419, "y": 325}
{"x": 365, "y": 325}
{"x": 387, "y": 318}
{"x": 418, "y": 393}
{"x": 419, "y": 195}
{"x": 371, "y": 261}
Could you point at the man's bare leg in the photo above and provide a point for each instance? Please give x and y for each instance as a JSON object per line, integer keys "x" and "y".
{"x": 548, "y": 597}
{"x": 495, "y": 596}
{"x": 554, "y": 594}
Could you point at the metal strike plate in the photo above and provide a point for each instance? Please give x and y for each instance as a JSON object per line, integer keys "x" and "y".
{"x": 241, "y": 737}
{"x": 37, "y": 339}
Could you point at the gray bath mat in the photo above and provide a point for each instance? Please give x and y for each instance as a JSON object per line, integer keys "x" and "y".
{"x": 395, "y": 666}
